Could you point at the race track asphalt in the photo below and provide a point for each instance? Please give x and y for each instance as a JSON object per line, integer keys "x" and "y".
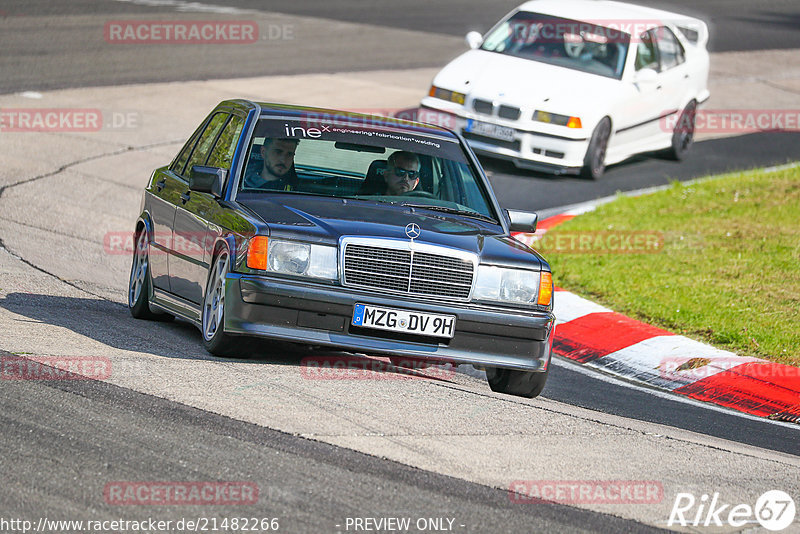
{"x": 321, "y": 452}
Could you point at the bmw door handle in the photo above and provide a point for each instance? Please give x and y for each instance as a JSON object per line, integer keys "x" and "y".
{"x": 185, "y": 197}
{"x": 160, "y": 184}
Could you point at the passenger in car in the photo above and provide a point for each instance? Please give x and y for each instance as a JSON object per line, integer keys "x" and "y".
{"x": 402, "y": 173}
{"x": 275, "y": 168}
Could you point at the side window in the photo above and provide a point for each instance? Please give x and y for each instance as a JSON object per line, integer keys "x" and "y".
{"x": 222, "y": 153}
{"x": 183, "y": 156}
{"x": 646, "y": 54}
{"x": 203, "y": 147}
{"x": 670, "y": 49}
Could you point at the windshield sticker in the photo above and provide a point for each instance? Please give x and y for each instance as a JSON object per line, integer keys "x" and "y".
{"x": 358, "y": 134}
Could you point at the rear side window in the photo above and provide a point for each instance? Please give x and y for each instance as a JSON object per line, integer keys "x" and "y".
{"x": 670, "y": 49}
{"x": 222, "y": 154}
{"x": 183, "y": 157}
{"x": 203, "y": 147}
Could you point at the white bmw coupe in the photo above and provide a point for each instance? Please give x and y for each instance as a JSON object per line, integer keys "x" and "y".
{"x": 570, "y": 86}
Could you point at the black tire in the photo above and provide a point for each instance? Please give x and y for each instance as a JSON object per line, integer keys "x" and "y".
{"x": 140, "y": 284}
{"x": 520, "y": 383}
{"x": 683, "y": 134}
{"x": 212, "y": 320}
{"x": 594, "y": 163}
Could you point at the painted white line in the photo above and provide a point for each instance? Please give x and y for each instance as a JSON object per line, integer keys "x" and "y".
{"x": 196, "y": 7}
{"x": 586, "y": 207}
{"x": 783, "y": 167}
{"x": 569, "y": 306}
{"x": 603, "y": 377}
{"x": 655, "y": 360}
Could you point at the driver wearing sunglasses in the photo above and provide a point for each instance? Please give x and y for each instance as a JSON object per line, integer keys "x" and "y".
{"x": 402, "y": 173}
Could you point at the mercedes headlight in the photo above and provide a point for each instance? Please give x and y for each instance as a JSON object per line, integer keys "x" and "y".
{"x": 513, "y": 286}
{"x": 293, "y": 258}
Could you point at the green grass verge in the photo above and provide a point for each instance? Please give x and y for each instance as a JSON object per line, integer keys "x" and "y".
{"x": 728, "y": 272}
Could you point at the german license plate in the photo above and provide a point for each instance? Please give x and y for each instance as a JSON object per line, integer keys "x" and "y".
{"x": 490, "y": 130}
{"x": 404, "y": 321}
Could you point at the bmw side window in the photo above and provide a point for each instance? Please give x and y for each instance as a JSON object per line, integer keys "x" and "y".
{"x": 646, "y": 53}
{"x": 670, "y": 49}
{"x": 203, "y": 147}
{"x": 222, "y": 154}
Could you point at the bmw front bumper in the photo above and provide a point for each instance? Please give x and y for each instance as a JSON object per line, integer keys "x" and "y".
{"x": 530, "y": 149}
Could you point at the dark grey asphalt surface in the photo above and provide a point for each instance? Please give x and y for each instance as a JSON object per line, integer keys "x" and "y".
{"x": 64, "y": 441}
{"x": 735, "y": 24}
{"x": 517, "y": 189}
{"x": 48, "y": 45}
{"x": 71, "y": 438}
{"x": 579, "y": 389}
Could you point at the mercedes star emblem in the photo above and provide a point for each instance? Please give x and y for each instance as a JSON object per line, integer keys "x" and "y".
{"x": 412, "y": 230}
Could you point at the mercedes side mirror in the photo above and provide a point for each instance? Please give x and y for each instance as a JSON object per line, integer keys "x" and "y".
{"x": 207, "y": 180}
{"x": 522, "y": 221}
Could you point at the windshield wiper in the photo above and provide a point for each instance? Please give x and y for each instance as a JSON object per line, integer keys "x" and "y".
{"x": 454, "y": 211}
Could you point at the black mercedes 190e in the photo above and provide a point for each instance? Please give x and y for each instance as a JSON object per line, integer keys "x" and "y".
{"x": 369, "y": 234}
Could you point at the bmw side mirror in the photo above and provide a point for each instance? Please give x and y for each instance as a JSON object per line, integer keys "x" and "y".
{"x": 207, "y": 180}
{"x": 522, "y": 221}
{"x": 646, "y": 76}
{"x": 474, "y": 39}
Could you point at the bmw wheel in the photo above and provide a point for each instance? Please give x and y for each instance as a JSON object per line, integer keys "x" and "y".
{"x": 594, "y": 164}
{"x": 215, "y": 339}
{"x": 683, "y": 134}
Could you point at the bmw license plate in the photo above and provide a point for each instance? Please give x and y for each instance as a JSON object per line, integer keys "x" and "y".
{"x": 490, "y": 130}
{"x": 404, "y": 321}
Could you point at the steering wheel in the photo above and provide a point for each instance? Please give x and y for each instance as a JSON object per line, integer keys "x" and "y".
{"x": 419, "y": 193}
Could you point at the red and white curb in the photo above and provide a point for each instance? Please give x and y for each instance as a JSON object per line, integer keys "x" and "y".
{"x": 602, "y": 339}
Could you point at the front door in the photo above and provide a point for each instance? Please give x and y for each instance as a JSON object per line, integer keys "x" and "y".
{"x": 189, "y": 264}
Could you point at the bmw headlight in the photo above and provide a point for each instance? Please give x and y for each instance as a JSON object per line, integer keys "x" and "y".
{"x": 293, "y": 258}
{"x": 446, "y": 94}
{"x": 513, "y": 286}
{"x": 560, "y": 120}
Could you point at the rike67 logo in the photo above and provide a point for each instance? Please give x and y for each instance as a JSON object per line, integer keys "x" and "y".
{"x": 774, "y": 510}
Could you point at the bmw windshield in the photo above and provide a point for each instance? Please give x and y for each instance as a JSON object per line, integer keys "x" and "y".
{"x": 572, "y": 44}
{"x": 376, "y": 160}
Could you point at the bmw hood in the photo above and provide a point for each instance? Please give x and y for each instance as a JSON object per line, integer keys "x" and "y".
{"x": 325, "y": 220}
{"x": 524, "y": 82}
